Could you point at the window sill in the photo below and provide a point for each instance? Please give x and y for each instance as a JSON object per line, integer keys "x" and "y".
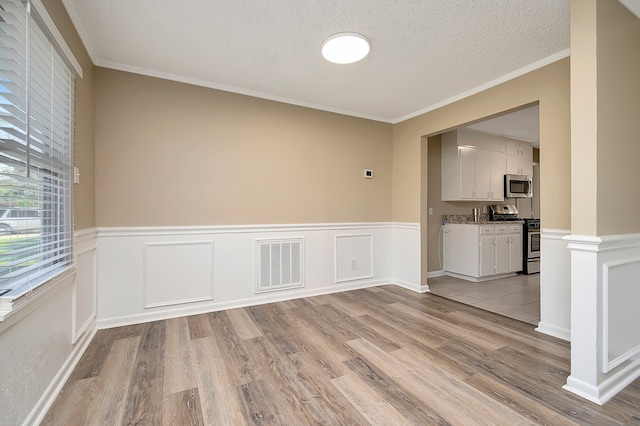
{"x": 11, "y": 306}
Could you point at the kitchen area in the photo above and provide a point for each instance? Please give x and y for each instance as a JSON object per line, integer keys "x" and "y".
{"x": 483, "y": 215}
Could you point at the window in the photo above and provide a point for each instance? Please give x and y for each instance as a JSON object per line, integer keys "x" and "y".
{"x": 36, "y": 137}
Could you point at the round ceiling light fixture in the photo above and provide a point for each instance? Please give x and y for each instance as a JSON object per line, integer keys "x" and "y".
{"x": 345, "y": 48}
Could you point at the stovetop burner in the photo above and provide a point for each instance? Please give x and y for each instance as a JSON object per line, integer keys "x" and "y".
{"x": 503, "y": 212}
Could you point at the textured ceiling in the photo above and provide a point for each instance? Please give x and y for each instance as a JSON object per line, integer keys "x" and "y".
{"x": 424, "y": 53}
{"x": 520, "y": 124}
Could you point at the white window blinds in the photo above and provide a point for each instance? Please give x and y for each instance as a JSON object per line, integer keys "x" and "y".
{"x": 36, "y": 136}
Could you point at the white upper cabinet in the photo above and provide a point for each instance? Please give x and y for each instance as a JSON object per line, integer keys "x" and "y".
{"x": 519, "y": 157}
{"x": 473, "y": 166}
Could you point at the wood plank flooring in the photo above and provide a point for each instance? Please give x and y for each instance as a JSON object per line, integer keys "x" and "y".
{"x": 379, "y": 356}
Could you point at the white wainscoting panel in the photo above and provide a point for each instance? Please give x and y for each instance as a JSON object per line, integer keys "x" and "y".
{"x": 133, "y": 289}
{"x": 354, "y": 257}
{"x": 604, "y": 314}
{"x": 84, "y": 294}
{"x": 406, "y": 256}
{"x": 620, "y": 312}
{"x": 555, "y": 284}
{"x": 177, "y": 273}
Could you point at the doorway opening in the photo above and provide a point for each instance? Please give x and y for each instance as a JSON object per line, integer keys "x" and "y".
{"x": 517, "y": 296}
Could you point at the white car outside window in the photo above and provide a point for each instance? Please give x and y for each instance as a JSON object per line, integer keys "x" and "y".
{"x": 19, "y": 220}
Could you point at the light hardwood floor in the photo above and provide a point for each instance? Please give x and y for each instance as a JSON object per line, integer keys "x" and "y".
{"x": 381, "y": 356}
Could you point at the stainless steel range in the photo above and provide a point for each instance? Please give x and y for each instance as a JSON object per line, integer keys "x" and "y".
{"x": 531, "y": 246}
{"x": 503, "y": 212}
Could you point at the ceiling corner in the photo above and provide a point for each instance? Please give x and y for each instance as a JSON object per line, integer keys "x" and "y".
{"x": 633, "y": 6}
{"x": 82, "y": 32}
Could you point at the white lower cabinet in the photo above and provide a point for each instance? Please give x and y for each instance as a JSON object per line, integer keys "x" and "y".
{"x": 480, "y": 252}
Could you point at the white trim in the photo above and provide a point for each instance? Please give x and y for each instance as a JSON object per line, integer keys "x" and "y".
{"x": 234, "y": 89}
{"x": 418, "y": 288}
{"x": 84, "y": 235}
{"x": 554, "y": 330}
{"x": 555, "y": 284}
{"x": 80, "y": 29}
{"x": 395, "y": 260}
{"x": 480, "y": 279}
{"x": 62, "y": 44}
{"x": 262, "y": 95}
{"x": 229, "y": 229}
{"x": 633, "y": 6}
{"x": 260, "y": 299}
{"x": 608, "y": 365}
{"x": 608, "y": 388}
{"x": 554, "y": 234}
{"x": 415, "y": 226}
{"x": 593, "y": 375}
{"x": 85, "y": 238}
{"x": 51, "y": 393}
{"x": 335, "y": 258}
{"x": 592, "y": 244}
{"x": 145, "y": 280}
{"x": 510, "y": 76}
{"x": 77, "y": 332}
{"x": 434, "y": 274}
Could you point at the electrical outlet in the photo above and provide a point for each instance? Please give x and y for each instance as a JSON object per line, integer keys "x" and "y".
{"x": 430, "y": 211}
{"x": 354, "y": 264}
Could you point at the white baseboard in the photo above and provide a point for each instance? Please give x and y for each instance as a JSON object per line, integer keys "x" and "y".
{"x": 608, "y": 388}
{"x": 481, "y": 279}
{"x": 418, "y": 288}
{"x": 51, "y": 393}
{"x": 554, "y": 331}
{"x": 434, "y": 274}
{"x": 162, "y": 314}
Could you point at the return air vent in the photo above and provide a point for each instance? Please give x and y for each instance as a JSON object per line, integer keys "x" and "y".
{"x": 279, "y": 264}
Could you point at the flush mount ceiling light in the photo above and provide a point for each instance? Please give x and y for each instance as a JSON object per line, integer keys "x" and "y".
{"x": 345, "y": 48}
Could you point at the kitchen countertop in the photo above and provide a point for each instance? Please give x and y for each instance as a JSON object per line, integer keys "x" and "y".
{"x": 461, "y": 219}
{"x": 488, "y": 222}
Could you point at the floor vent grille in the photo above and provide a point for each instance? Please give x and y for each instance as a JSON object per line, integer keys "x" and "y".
{"x": 280, "y": 264}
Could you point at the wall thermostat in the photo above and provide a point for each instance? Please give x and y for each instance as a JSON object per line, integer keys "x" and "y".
{"x": 368, "y": 174}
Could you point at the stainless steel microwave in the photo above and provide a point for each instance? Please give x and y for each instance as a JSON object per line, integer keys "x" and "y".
{"x": 518, "y": 186}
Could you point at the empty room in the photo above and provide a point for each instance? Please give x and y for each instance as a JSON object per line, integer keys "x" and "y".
{"x": 211, "y": 213}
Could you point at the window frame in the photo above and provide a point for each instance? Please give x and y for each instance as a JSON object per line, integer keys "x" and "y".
{"x": 10, "y": 304}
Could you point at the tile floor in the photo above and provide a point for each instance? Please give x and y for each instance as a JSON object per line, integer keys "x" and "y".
{"x": 514, "y": 297}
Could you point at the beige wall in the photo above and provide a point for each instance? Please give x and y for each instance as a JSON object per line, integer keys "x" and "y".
{"x": 618, "y": 111}
{"x": 605, "y": 65}
{"x": 583, "y": 118}
{"x": 548, "y": 85}
{"x": 84, "y": 192}
{"x": 171, "y": 154}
